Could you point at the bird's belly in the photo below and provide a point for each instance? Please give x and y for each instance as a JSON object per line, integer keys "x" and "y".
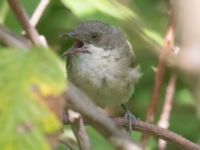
{"x": 104, "y": 82}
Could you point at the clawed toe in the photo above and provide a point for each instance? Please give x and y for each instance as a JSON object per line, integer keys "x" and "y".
{"x": 129, "y": 118}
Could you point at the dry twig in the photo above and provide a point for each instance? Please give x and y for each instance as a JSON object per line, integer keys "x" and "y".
{"x": 161, "y": 133}
{"x": 165, "y": 114}
{"x": 76, "y": 122}
{"x": 38, "y": 12}
{"x": 10, "y": 39}
{"x": 168, "y": 45}
{"x": 24, "y": 21}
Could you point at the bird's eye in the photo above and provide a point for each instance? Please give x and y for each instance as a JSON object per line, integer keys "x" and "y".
{"x": 94, "y": 35}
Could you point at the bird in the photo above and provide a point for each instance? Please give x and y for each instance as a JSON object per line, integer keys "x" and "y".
{"x": 102, "y": 64}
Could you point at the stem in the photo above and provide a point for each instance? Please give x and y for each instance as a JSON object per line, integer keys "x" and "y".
{"x": 23, "y": 19}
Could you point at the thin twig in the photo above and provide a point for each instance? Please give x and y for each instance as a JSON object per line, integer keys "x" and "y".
{"x": 38, "y": 12}
{"x": 76, "y": 122}
{"x": 159, "y": 75}
{"x": 165, "y": 114}
{"x": 161, "y": 133}
{"x": 24, "y": 21}
{"x": 8, "y": 38}
{"x": 169, "y": 43}
{"x": 81, "y": 135}
{"x": 78, "y": 101}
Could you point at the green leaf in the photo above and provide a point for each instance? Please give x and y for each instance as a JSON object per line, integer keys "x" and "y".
{"x": 28, "y": 81}
{"x": 112, "y": 8}
{"x": 3, "y": 10}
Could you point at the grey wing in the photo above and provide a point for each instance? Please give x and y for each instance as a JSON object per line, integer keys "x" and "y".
{"x": 134, "y": 68}
{"x": 131, "y": 55}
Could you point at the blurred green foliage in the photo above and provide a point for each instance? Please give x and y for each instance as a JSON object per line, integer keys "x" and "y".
{"x": 24, "y": 92}
{"x": 144, "y": 22}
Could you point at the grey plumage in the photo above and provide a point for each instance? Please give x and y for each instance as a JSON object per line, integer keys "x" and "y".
{"x": 103, "y": 66}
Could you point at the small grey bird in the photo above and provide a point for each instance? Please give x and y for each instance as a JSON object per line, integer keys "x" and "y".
{"x": 102, "y": 64}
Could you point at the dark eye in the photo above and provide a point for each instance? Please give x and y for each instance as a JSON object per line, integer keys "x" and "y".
{"x": 94, "y": 35}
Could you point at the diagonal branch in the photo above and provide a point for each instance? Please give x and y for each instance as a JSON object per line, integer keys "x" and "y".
{"x": 81, "y": 103}
{"x": 38, "y": 12}
{"x": 24, "y": 21}
{"x": 77, "y": 125}
{"x": 168, "y": 45}
{"x": 161, "y": 133}
{"x": 166, "y": 110}
{"x": 10, "y": 39}
{"x": 156, "y": 131}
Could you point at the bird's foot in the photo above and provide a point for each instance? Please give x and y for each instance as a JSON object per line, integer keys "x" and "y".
{"x": 129, "y": 118}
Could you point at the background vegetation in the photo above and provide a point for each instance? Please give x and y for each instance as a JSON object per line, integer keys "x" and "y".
{"x": 143, "y": 21}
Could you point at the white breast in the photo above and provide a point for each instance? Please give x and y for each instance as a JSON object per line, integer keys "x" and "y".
{"x": 101, "y": 76}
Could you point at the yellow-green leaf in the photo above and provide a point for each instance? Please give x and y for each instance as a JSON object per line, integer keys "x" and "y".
{"x": 112, "y": 8}
{"x": 30, "y": 82}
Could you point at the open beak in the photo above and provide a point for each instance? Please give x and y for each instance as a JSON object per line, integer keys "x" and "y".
{"x": 78, "y": 45}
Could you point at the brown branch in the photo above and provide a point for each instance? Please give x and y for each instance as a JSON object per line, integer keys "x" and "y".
{"x": 161, "y": 133}
{"x": 156, "y": 131}
{"x": 159, "y": 75}
{"x": 165, "y": 114}
{"x": 76, "y": 122}
{"x": 24, "y": 21}
{"x": 8, "y": 38}
{"x": 79, "y": 102}
{"x": 38, "y": 12}
{"x": 81, "y": 135}
{"x": 168, "y": 45}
